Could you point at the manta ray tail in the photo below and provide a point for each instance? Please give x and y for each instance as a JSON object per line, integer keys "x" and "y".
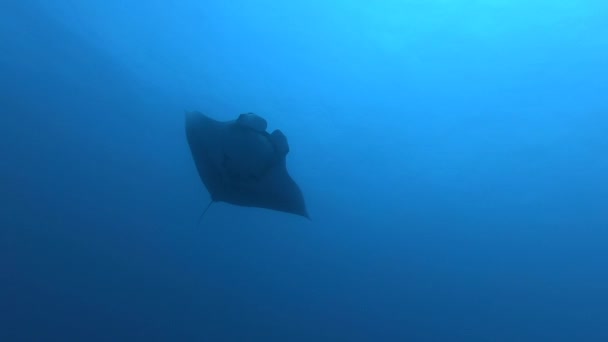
{"x": 200, "y": 219}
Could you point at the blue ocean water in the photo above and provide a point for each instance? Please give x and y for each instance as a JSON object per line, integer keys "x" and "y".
{"x": 453, "y": 157}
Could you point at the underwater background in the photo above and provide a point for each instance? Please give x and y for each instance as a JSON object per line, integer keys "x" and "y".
{"x": 453, "y": 156}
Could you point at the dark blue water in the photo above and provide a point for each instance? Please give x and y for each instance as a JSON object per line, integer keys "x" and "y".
{"x": 453, "y": 156}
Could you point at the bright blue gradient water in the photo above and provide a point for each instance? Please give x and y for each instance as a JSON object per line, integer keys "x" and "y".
{"x": 453, "y": 155}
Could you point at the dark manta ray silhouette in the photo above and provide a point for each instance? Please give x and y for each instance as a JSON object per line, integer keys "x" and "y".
{"x": 242, "y": 164}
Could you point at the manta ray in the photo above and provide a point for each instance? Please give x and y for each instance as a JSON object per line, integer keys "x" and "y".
{"x": 240, "y": 163}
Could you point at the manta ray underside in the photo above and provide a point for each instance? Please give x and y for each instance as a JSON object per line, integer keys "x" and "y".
{"x": 242, "y": 164}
